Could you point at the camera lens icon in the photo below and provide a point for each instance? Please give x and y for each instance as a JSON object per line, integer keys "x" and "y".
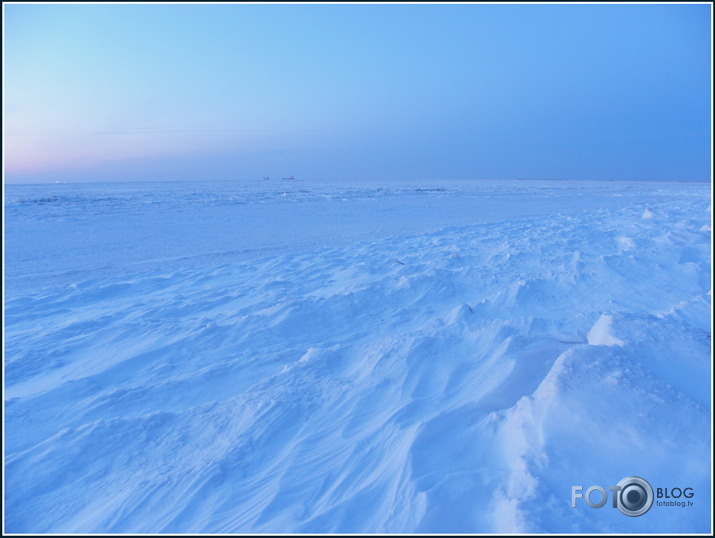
{"x": 635, "y": 496}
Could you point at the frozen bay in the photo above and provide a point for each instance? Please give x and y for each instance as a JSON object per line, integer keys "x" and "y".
{"x": 278, "y": 356}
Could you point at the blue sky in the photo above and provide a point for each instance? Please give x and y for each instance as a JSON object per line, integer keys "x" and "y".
{"x": 411, "y": 91}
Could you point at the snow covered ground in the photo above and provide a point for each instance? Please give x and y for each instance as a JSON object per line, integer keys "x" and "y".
{"x": 308, "y": 357}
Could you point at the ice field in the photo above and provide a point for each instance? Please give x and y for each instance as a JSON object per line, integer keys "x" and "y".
{"x": 310, "y": 357}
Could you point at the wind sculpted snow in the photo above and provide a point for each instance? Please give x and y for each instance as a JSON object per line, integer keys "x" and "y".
{"x": 218, "y": 368}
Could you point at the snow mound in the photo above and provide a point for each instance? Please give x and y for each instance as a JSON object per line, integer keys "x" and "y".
{"x": 601, "y": 335}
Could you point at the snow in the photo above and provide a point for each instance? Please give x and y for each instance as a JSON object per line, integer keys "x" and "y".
{"x": 310, "y": 357}
{"x": 600, "y": 333}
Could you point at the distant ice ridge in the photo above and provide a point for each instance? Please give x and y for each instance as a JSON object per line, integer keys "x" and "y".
{"x": 460, "y": 380}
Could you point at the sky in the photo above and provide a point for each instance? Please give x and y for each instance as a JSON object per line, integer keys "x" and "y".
{"x": 135, "y": 92}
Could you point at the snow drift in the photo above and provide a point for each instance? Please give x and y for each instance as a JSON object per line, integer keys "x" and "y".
{"x": 173, "y": 367}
